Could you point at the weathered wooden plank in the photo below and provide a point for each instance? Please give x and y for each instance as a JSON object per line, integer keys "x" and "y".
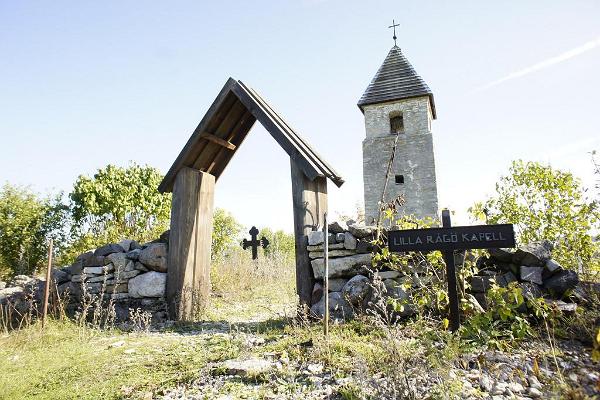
{"x": 205, "y": 157}
{"x": 167, "y": 183}
{"x": 309, "y": 199}
{"x": 188, "y": 279}
{"x": 215, "y": 139}
{"x": 237, "y": 136}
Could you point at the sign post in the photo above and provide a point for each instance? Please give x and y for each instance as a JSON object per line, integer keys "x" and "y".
{"x": 447, "y": 239}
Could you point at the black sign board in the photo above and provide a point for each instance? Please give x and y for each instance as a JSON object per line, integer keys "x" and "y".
{"x": 447, "y": 239}
{"x": 455, "y": 238}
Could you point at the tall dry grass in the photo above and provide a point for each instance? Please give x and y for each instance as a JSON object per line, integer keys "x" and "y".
{"x": 246, "y": 289}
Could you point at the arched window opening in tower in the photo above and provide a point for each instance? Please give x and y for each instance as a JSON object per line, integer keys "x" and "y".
{"x": 396, "y": 124}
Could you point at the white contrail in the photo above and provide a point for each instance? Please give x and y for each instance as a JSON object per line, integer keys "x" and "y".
{"x": 592, "y": 44}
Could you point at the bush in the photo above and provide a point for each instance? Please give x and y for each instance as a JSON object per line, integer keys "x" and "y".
{"x": 545, "y": 203}
{"x": 281, "y": 244}
{"x": 118, "y": 203}
{"x": 226, "y": 231}
{"x": 26, "y": 222}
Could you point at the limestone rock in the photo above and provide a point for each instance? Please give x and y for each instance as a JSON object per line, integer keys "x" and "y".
{"x": 502, "y": 255}
{"x": 134, "y": 254}
{"x": 320, "y": 247}
{"x": 75, "y": 268}
{"x": 98, "y": 270}
{"x": 94, "y": 261}
{"x": 337, "y": 227}
{"x": 480, "y": 284}
{"x": 553, "y": 266}
{"x": 155, "y": 257}
{"x": 362, "y": 246}
{"x": 389, "y": 274}
{"x": 361, "y": 231}
{"x": 247, "y": 368}
{"x": 59, "y": 276}
{"x": 341, "y": 267}
{"x": 21, "y": 280}
{"x": 125, "y": 244}
{"x": 349, "y": 241}
{"x": 562, "y": 281}
{"x": 357, "y": 291}
{"x": 141, "y": 267}
{"x": 339, "y": 237}
{"x": 567, "y": 308}
{"x": 118, "y": 260}
{"x": 108, "y": 249}
{"x": 2, "y": 285}
{"x": 533, "y": 254}
{"x": 394, "y": 290}
{"x": 118, "y": 288}
{"x": 70, "y": 289}
{"x": 315, "y": 238}
{"x": 124, "y": 275}
{"x": 101, "y": 278}
{"x": 336, "y": 284}
{"x": 84, "y": 256}
{"x": 339, "y": 308}
{"x": 150, "y": 284}
{"x": 317, "y": 293}
{"x": 531, "y": 290}
{"x": 531, "y": 274}
{"x": 332, "y": 253}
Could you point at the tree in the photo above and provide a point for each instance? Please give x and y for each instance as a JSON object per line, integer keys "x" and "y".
{"x": 545, "y": 203}
{"x": 118, "y": 203}
{"x": 27, "y": 221}
{"x": 225, "y": 232}
{"x": 281, "y": 243}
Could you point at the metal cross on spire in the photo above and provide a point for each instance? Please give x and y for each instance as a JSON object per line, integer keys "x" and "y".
{"x": 394, "y": 25}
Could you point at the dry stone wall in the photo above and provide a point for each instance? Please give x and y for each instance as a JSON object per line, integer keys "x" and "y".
{"x": 356, "y": 286}
{"x": 126, "y": 275}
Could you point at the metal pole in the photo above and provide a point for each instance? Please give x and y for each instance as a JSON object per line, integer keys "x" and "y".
{"x": 47, "y": 286}
{"x": 326, "y": 276}
{"x": 451, "y": 277}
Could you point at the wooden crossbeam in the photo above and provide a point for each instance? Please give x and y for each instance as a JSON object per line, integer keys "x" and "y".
{"x": 215, "y": 139}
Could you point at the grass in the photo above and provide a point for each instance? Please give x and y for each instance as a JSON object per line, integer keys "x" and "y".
{"x": 252, "y": 300}
{"x": 66, "y": 361}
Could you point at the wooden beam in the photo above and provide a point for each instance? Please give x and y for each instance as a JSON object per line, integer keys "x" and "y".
{"x": 188, "y": 273}
{"x": 215, "y": 139}
{"x": 167, "y": 183}
{"x": 309, "y": 199}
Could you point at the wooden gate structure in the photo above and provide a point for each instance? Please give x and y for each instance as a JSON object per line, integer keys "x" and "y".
{"x": 192, "y": 179}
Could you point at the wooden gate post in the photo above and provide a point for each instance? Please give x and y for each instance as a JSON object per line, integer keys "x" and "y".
{"x": 310, "y": 204}
{"x": 190, "y": 239}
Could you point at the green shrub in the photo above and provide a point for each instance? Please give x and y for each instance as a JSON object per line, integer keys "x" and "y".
{"x": 27, "y": 221}
{"x": 118, "y": 203}
{"x": 546, "y": 203}
{"x": 226, "y": 231}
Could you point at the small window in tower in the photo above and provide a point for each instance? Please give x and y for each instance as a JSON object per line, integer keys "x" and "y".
{"x": 399, "y": 179}
{"x": 396, "y": 124}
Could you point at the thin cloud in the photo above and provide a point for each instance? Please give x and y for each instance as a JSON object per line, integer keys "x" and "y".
{"x": 592, "y": 44}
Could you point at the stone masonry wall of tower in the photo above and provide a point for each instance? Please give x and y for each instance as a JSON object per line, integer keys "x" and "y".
{"x": 414, "y": 158}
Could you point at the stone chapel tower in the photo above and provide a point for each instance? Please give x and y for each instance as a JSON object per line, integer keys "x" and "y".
{"x": 398, "y": 107}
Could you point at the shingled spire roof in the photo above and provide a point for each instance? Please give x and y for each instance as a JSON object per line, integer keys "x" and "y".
{"x": 396, "y": 79}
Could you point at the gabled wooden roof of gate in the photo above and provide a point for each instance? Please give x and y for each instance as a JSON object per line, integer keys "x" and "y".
{"x": 224, "y": 128}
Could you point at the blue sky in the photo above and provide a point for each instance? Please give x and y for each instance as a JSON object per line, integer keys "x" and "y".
{"x": 84, "y": 84}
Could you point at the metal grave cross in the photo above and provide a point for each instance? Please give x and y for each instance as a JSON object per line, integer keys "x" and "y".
{"x": 255, "y": 243}
{"x": 448, "y": 239}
